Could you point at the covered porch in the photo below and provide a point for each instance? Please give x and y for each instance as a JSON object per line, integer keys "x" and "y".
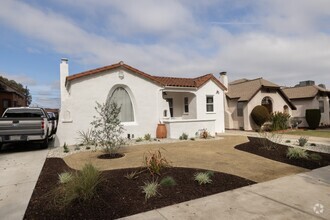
{"x": 180, "y": 114}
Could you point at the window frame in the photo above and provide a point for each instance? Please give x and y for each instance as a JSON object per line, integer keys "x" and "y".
{"x": 186, "y": 105}
{"x": 209, "y": 104}
{"x": 111, "y": 98}
{"x": 240, "y": 112}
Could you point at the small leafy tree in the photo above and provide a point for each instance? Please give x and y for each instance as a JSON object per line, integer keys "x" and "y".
{"x": 107, "y": 128}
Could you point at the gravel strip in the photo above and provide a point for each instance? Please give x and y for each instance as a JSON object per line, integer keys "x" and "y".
{"x": 73, "y": 149}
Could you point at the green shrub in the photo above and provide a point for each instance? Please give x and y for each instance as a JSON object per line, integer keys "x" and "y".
{"x": 86, "y": 137}
{"x": 88, "y": 179}
{"x": 147, "y": 137}
{"x": 296, "y": 153}
{"x": 155, "y": 162}
{"x": 167, "y": 181}
{"x": 313, "y": 117}
{"x": 184, "y": 136}
{"x": 260, "y": 115}
{"x": 65, "y": 177}
{"x": 150, "y": 189}
{"x": 279, "y": 121}
{"x": 302, "y": 141}
{"x": 192, "y": 139}
{"x": 132, "y": 175}
{"x": 66, "y": 148}
{"x": 287, "y": 141}
{"x": 139, "y": 139}
{"x": 82, "y": 186}
{"x": 202, "y": 178}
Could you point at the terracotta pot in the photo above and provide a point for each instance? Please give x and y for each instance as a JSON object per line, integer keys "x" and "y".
{"x": 161, "y": 131}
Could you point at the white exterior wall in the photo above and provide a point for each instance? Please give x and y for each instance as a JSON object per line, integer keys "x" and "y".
{"x": 210, "y": 88}
{"x": 175, "y": 128}
{"x": 84, "y": 92}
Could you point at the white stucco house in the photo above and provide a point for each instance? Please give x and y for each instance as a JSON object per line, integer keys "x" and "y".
{"x": 182, "y": 104}
{"x": 307, "y": 95}
{"x": 244, "y": 94}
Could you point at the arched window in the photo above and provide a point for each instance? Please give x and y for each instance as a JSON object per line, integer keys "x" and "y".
{"x": 267, "y": 102}
{"x": 121, "y": 97}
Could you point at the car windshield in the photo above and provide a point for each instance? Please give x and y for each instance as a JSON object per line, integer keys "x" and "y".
{"x": 23, "y": 113}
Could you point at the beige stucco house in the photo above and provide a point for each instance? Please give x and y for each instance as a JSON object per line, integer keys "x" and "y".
{"x": 307, "y": 95}
{"x": 243, "y": 95}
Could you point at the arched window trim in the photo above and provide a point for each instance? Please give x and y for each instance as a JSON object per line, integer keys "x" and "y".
{"x": 268, "y": 103}
{"x": 131, "y": 97}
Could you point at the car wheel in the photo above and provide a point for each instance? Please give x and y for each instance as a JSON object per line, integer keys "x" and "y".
{"x": 45, "y": 142}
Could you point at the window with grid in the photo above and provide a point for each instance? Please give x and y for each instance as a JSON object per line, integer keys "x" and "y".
{"x": 209, "y": 104}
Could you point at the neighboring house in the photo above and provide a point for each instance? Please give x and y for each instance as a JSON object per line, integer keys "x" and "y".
{"x": 243, "y": 95}
{"x": 10, "y": 97}
{"x": 182, "y": 104}
{"x": 307, "y": 95}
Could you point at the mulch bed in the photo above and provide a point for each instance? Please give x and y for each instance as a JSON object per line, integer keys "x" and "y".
{"x": 118, "y": 196}
{"x": 278, "y": 153}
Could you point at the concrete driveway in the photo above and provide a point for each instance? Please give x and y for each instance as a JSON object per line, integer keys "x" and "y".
{"x": 19, "y": 171}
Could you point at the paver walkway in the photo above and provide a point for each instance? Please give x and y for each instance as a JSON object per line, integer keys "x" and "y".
{"x": 218, "y": 155}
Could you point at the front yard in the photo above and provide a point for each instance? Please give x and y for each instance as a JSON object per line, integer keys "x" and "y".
{"x": 123, "y": 185}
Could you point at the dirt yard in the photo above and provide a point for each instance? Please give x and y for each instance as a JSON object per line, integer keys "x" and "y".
{"x": 218, "y": 155}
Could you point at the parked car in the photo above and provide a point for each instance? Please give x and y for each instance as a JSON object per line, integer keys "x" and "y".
{"x": 53, "y": 120}
{"x": 25, "y": 124}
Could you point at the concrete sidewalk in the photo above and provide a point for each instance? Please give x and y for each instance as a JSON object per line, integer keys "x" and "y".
{"x": 19, "y": 172}
{"x": 300, "y": 196}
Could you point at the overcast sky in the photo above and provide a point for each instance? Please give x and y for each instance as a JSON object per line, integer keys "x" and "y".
{"x": 284, "y": 41}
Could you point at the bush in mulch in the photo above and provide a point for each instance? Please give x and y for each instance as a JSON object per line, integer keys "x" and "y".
{"x": 279, "y": 152}
{"x": 120, "y": 193}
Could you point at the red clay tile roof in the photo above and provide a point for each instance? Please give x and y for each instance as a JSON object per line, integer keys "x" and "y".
{"x": 163, "y": 81}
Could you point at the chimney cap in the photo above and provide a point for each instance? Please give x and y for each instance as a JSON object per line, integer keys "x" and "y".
{"x": 223, "y": 73}
{"x": 64, "y": 59}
